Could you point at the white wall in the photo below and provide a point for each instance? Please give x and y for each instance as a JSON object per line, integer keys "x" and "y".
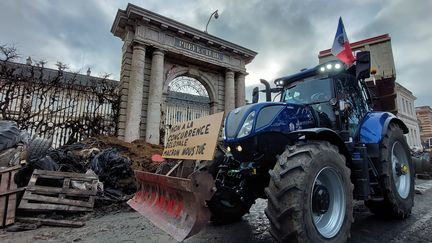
{"x": 406, "y": 112}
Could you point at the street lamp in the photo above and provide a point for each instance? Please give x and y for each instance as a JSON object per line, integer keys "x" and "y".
{"x": 216, "y": 15}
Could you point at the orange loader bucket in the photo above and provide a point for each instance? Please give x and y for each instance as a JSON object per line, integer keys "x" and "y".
{"x": 175, "y": 205}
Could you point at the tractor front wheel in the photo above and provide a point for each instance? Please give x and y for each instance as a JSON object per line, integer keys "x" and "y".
{"x": 310, "y": 195}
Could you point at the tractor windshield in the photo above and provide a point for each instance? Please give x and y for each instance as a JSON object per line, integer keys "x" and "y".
{"x": 312, "y": 91}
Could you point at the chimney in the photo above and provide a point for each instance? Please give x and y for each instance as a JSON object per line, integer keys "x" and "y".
{"x": 29, "y": 61}
{"x": 88, "y": 72}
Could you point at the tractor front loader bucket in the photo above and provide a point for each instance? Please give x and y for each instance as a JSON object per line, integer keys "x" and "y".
{"x": 175, "y": 205}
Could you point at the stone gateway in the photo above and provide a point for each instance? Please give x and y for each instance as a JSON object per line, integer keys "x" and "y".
{"x": 157, "y": 50}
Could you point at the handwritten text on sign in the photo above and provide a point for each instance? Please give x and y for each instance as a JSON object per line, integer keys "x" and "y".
{"x": 194, "y": 139}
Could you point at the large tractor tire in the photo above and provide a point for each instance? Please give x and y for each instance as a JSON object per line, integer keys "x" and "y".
{"x": 397, "y": 179}
{"x": 37, "y": 148}
{"x": 310, "y": 195}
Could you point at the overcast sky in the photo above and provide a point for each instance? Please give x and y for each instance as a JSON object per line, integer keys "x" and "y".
{"x": 287, "y": 34}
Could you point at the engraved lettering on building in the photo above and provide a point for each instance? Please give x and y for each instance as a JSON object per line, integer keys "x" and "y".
{"x": 197, "y": 49}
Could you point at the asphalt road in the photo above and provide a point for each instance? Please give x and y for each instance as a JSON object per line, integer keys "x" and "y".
{"x": 131, "y": 227}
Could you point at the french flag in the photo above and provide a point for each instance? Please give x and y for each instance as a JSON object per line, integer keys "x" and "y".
{"x": 341, "y": 47}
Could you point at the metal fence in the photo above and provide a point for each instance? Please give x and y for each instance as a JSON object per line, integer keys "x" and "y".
{"x": 66, "y": 107}
{"x": 183, "y": 107}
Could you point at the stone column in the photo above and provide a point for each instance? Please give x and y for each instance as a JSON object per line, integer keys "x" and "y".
{"x": 229, "y": 91}
{"x": 240, "y": 95}
{"x": 155, "y": 98}
{"x": 135, "y": 93}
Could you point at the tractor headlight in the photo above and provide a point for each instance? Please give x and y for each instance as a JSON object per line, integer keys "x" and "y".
{"x": 331, "y": 67}
{"x": 247, "y": 125}
{"x": 279, "y": 83}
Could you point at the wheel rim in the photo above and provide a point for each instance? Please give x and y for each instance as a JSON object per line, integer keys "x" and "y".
{"x": 400, "y": 170}
{"x": 328, "y": 216}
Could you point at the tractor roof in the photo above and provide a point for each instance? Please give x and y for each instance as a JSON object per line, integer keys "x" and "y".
{"x": 327, "y": 68}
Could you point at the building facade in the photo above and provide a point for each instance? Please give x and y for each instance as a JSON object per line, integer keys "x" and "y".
{"x": 406, "y": 112}
{"x": 424, "y": 115}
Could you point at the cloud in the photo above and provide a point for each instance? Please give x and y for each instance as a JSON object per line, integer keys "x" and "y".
{"x": 286, "y": 34}
{"x": 74, "y": 32}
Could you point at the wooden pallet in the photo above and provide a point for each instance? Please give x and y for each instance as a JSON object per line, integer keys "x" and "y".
{"x": 8, "y": 197}
{"x": 52, "y": 190}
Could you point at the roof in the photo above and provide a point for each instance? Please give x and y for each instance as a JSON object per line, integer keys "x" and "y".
{"x": 402, "y": 88}
{"x": 188, "y": 97}
{"x": 423, "y": 108}
{"x": 133, "y": 12}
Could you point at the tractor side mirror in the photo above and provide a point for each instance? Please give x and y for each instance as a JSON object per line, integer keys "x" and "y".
{"x": 255, "y": 95}
{"x": 363, "y": 65}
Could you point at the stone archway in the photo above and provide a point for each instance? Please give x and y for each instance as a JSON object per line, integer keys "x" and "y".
{"x": 157, "y": 49}
{"x": 185, "y": 99}
{"x": 174, "y": 71}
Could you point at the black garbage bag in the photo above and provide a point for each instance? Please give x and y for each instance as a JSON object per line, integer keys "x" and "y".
{"x": 114, "y": 171}
{"x": 68, "y": 160}
{"x": 45, "y": 163}
{"x": 10, "y": 135}
{"x": 22, "y": 177}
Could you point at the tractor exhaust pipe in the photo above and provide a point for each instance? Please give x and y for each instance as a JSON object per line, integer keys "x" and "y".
{"x": 267, "y": 89}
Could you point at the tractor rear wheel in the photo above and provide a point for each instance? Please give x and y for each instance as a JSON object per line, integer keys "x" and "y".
{"x": 310, "y": 195}
{"x": 397, "y": 179}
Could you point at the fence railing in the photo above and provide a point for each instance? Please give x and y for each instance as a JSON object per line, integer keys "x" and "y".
{"x": 66, "y": 107}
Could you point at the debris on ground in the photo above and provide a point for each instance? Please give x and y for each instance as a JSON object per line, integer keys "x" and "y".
{"x": 96, "y": 173}
{"x": 13, "y": 144}
{"x": 51, "y": 222}
{"x": 8, "y": 195}
{"x": 53, "y": 191}
{"x": 112, "y": 160}
{"x": 139, "y": 151}
{"x": 18, "y": 227}
{"x": 114, "y": 171}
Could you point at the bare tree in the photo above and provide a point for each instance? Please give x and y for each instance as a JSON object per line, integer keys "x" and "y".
{"x": 57, "y": 103}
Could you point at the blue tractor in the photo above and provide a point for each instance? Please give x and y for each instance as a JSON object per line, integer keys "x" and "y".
{"x": 312, "y": 153}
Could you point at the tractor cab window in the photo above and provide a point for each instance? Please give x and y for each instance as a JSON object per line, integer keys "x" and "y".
{"x": 316, "y": 93}
{"x": 308, "y": 92}
{"x": 349, "y": 90}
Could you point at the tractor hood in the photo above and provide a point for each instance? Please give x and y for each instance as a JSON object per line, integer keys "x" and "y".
{"x": 250, "y": 120}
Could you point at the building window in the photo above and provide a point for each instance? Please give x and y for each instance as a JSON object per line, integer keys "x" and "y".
{"x": 406, "y": 102}
{"x": 410, "y": 105}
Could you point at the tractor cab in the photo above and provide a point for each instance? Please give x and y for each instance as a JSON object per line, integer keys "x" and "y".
{"x": 337, "y": 97}
{"x": 336, "y": 93}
